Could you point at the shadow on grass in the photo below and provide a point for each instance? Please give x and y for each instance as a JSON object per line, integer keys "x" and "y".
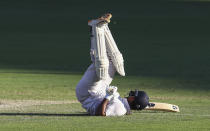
{"x": 41, "y": 114}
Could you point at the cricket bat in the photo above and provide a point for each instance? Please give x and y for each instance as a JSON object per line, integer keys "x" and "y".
{"x": 162, "y": 107}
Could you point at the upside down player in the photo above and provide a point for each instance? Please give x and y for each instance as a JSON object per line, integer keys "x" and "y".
{"x": 94, "y": 91}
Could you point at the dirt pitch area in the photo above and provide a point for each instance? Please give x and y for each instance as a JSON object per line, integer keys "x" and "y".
{"x": 20, "y": 104}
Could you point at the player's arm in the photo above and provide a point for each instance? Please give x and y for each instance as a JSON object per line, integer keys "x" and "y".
{"x": 111, "y": 94}
{"x": 102, "y": 108}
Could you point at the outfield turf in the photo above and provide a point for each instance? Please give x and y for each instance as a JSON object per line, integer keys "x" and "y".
{"x": 44, "y": 50}
{"x": 192, "y": 97}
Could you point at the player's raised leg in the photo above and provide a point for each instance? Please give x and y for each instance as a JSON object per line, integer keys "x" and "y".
{"x": 93, "y": 79}
{"x": 113, "y": 51}
{"x": 98, "y": 42}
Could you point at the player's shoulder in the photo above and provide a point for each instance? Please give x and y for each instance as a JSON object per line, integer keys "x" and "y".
{"x": 126, "y": 105}
{"x": 115, "y": 108}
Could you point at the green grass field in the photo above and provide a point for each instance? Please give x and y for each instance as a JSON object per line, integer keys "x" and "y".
{"x": 193, "y": 97}
{"x": 44, "y": 50}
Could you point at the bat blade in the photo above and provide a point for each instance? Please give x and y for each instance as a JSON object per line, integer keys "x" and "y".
{"x": 162, "y": 107}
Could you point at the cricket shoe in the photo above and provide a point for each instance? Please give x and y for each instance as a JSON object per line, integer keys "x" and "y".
{"x": 103, "y": 19}
{"x": 106, "y": 17}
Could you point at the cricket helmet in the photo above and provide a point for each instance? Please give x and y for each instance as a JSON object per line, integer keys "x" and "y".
{"x": 141, "y": 100}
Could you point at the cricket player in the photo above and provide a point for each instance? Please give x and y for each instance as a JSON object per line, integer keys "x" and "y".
{"x": 94, "y": 91}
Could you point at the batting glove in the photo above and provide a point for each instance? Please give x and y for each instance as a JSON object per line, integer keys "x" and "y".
{"x": 111, "y": 90}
